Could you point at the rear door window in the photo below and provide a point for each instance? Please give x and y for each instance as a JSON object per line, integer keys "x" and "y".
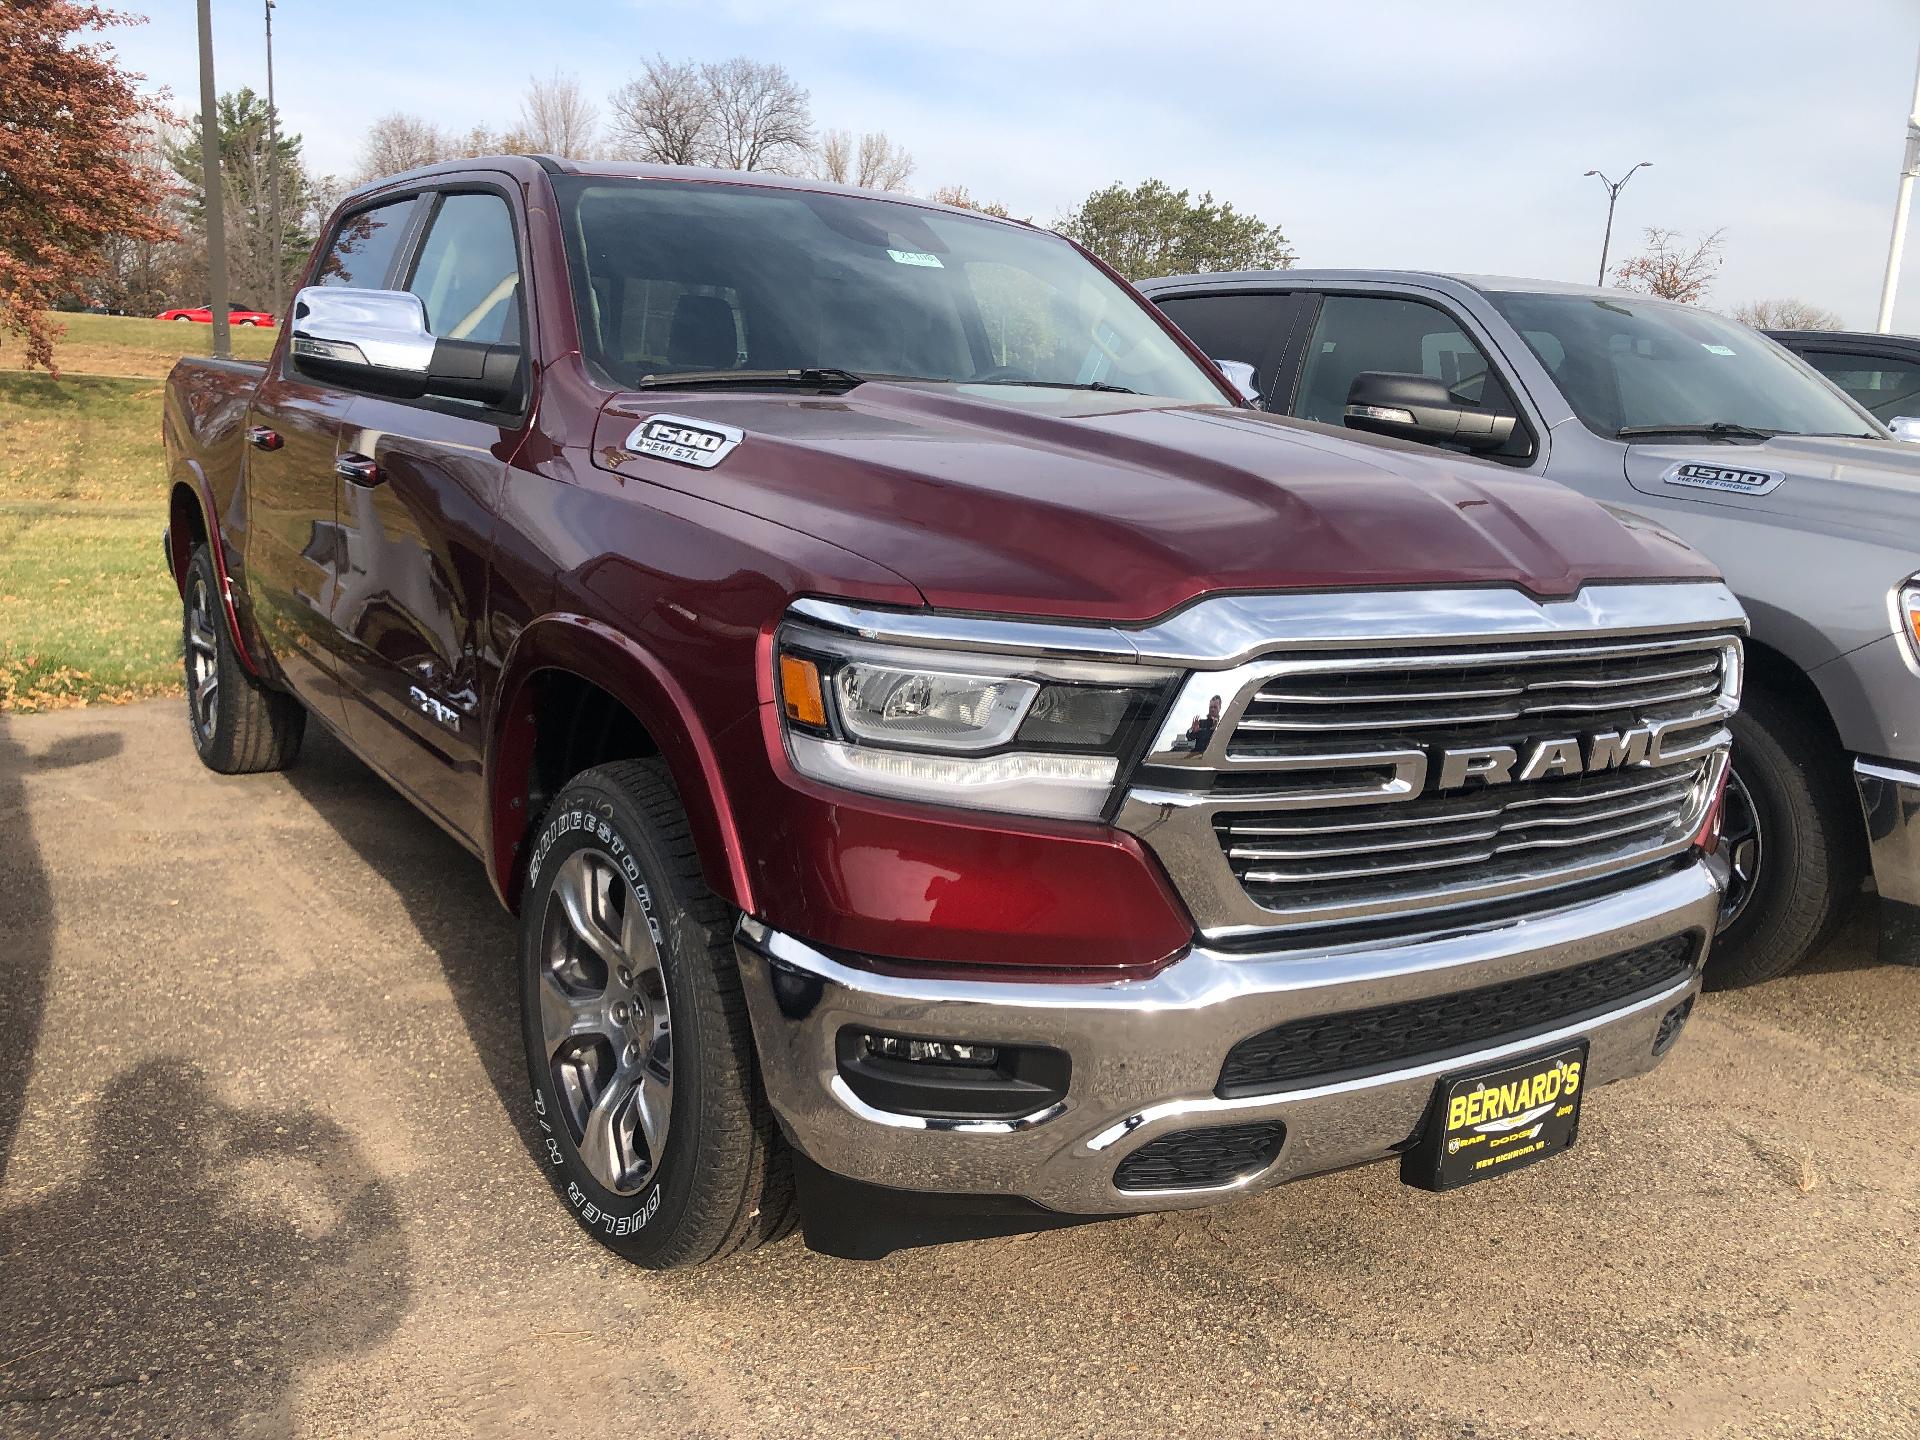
{"x": 1888, "y": 387}
{"x": 364, "y": 247}
{"x": 1242, "y": 325}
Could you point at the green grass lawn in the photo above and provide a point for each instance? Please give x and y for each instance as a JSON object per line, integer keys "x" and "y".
{"x": 87, "y": 611}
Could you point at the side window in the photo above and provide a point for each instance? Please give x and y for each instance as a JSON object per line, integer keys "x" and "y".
{"x": 468, "y": 274}
{"x": 1242, "y": 326}
{"x": 1359, "y": 333}
{"x": 1889, "y": 388}
{"x": 364, "y": 246}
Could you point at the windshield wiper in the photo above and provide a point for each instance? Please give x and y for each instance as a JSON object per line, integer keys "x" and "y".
{"x": 811, "y": 378}
{"x": 1718, "y": 428}
{"x": 1106, "y": 387}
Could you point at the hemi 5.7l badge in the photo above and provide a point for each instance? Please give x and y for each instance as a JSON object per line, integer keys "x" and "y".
{"x": 691, "y": 442}
{"x": 1730, "y": 479}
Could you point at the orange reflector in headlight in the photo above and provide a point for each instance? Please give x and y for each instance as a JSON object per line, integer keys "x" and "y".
{"x": 800, "y": 691}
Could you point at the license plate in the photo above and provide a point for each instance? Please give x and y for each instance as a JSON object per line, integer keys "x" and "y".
{"x": 1498, "y": 1121}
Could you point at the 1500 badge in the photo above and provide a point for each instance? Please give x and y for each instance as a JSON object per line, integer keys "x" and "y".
{"x": 690, "y": 442}
{"x": 1729, "y": 479}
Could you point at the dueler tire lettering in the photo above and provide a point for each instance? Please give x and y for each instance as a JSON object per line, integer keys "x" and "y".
{"x": 722, "y": 1181}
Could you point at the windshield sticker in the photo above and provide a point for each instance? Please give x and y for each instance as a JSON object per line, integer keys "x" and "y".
{"x": 690, "y": 442}
{"x": 1713, "y": 349}
{"x": 916, "y": 257}
{"x": 1724, "y": 478}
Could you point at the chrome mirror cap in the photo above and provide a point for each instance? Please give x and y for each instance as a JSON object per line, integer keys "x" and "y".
{"x": 1905, "y": 427}
{"x": 379, "y": 329}
{"x": 1242, "y": 376}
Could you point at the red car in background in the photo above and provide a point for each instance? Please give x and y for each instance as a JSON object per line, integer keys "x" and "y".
{"x": 236, "y": 315}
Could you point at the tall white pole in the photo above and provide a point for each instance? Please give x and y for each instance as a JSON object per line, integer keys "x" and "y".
{"x": 1909, "y": 168}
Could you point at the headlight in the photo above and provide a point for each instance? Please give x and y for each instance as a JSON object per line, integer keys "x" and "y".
{"x": 1906, "y": 618}
{"x": 1029, "y": 735}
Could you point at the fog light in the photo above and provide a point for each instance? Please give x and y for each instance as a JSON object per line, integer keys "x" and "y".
{"x": 928, "y": 1052}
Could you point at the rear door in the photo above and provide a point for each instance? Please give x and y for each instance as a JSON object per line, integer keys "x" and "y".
{"x": 295, "y": 550}
{"x": 417, "y": 514}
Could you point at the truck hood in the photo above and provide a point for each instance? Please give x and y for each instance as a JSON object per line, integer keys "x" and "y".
{"x": 1865, "y": 488}
{"x": 1117, "y": 507}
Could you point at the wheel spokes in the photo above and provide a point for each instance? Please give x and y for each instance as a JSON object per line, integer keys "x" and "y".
{"x": 604, "y": 1022}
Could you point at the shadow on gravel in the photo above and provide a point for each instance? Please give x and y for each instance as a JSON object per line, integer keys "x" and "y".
{"x": 26, "y": 911}
{"x": 207, "y": 1256}
{"x": 448, "y": 900}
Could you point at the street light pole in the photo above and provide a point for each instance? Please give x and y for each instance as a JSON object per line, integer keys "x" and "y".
{"x": 273, "y": 177}
{"x": 211, "y": 190}
{"x": 1908, "y": 169}
{"x": 1614, "y": 187}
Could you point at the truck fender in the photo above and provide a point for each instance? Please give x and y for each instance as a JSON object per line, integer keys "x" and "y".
{"x": 595, "y": 652}
{"x": 190, "y": 478}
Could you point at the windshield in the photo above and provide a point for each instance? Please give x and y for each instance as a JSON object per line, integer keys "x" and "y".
{"x": 1629, "y": 363}
{"x": 683, "y": 276}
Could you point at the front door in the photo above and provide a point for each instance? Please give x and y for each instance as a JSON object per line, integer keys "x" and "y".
{"x": 294, "y": 546}
{"x": 419, "y": 493}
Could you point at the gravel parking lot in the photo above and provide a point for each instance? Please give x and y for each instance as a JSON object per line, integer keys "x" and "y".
{"x": 267, "y": 1172}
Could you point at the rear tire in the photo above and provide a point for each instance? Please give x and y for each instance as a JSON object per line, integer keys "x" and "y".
{"x": 1806, "y": 833}
{"x": 653, "y": 1124}
{"x": 239, "y": 726}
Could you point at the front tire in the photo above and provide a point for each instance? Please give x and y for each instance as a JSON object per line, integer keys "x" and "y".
{"x": 653, "y": 1125}
{"x": 1792, "y": 834}
{"x": 239, "y": 726}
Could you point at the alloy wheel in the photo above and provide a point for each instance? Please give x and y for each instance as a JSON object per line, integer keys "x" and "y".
{"x": 1740, "y": 843}
{"x": 203, "y": 660}
{"x": 605, "y": 1021}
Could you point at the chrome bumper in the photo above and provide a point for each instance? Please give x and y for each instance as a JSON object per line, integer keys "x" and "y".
{"x": 1147, "y": 1055}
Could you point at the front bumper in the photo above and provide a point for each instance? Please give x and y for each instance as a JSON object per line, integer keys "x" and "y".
{"x": 1147, "y": 1055}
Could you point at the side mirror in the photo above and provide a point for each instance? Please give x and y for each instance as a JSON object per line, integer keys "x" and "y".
{"x": 378, "y": 340}
{"x": 1419, "y": 407}
{"x": 1905, "y": 427}
{"x": 1242, "y": 375}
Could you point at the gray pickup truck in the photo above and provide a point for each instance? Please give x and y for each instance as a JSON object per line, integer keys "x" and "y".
{"x": 1713, "y": 432}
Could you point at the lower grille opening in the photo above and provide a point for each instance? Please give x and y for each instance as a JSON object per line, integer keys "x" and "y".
{"x": 1388, "y": 1037}
{"x": 1200, "y": 1159}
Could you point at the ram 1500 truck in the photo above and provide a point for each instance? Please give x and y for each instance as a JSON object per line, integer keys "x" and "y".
{"x": 935, "y": 740}
{"x": 1704, "y": 427}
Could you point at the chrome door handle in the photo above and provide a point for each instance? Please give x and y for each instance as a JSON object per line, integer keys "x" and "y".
{"x": 359, "y": 469}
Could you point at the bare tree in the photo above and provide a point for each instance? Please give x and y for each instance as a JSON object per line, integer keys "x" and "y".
{"x": 398, "y": 141}
{"x": 834, "y": 158}
{"x": 664, "y": 115}
{"x": 1669, "y": 270}
{"x": 761, "y": 117}
{"x": 556, "y": 119}
{"x": 1787, "y": 315}
{"x": 959, "y": 197}
{"x": 883, "y": 164}
{"x": 872, "y": 162}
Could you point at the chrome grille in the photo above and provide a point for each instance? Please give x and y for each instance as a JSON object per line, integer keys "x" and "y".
{"x": 1322, "y": 784}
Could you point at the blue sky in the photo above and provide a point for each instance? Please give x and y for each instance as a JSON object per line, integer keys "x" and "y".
{"x": 1421, "y": 135}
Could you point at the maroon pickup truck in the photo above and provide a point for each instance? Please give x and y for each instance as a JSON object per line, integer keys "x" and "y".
{"x": 941, "y": 747}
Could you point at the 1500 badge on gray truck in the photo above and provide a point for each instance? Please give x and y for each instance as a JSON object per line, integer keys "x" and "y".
{"x": 1720, "y": 436}
{"x": 935, "y": 740}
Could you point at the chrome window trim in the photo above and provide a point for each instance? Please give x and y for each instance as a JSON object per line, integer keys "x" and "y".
{"x": 1223, "y": 631}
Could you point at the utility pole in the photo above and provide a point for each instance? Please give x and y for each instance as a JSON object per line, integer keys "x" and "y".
{"x": 1614, "y": 187}
{"x": 1909, "y": 168}
{"x": 210, "y": 185}
{"x": 273, "y": 179}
